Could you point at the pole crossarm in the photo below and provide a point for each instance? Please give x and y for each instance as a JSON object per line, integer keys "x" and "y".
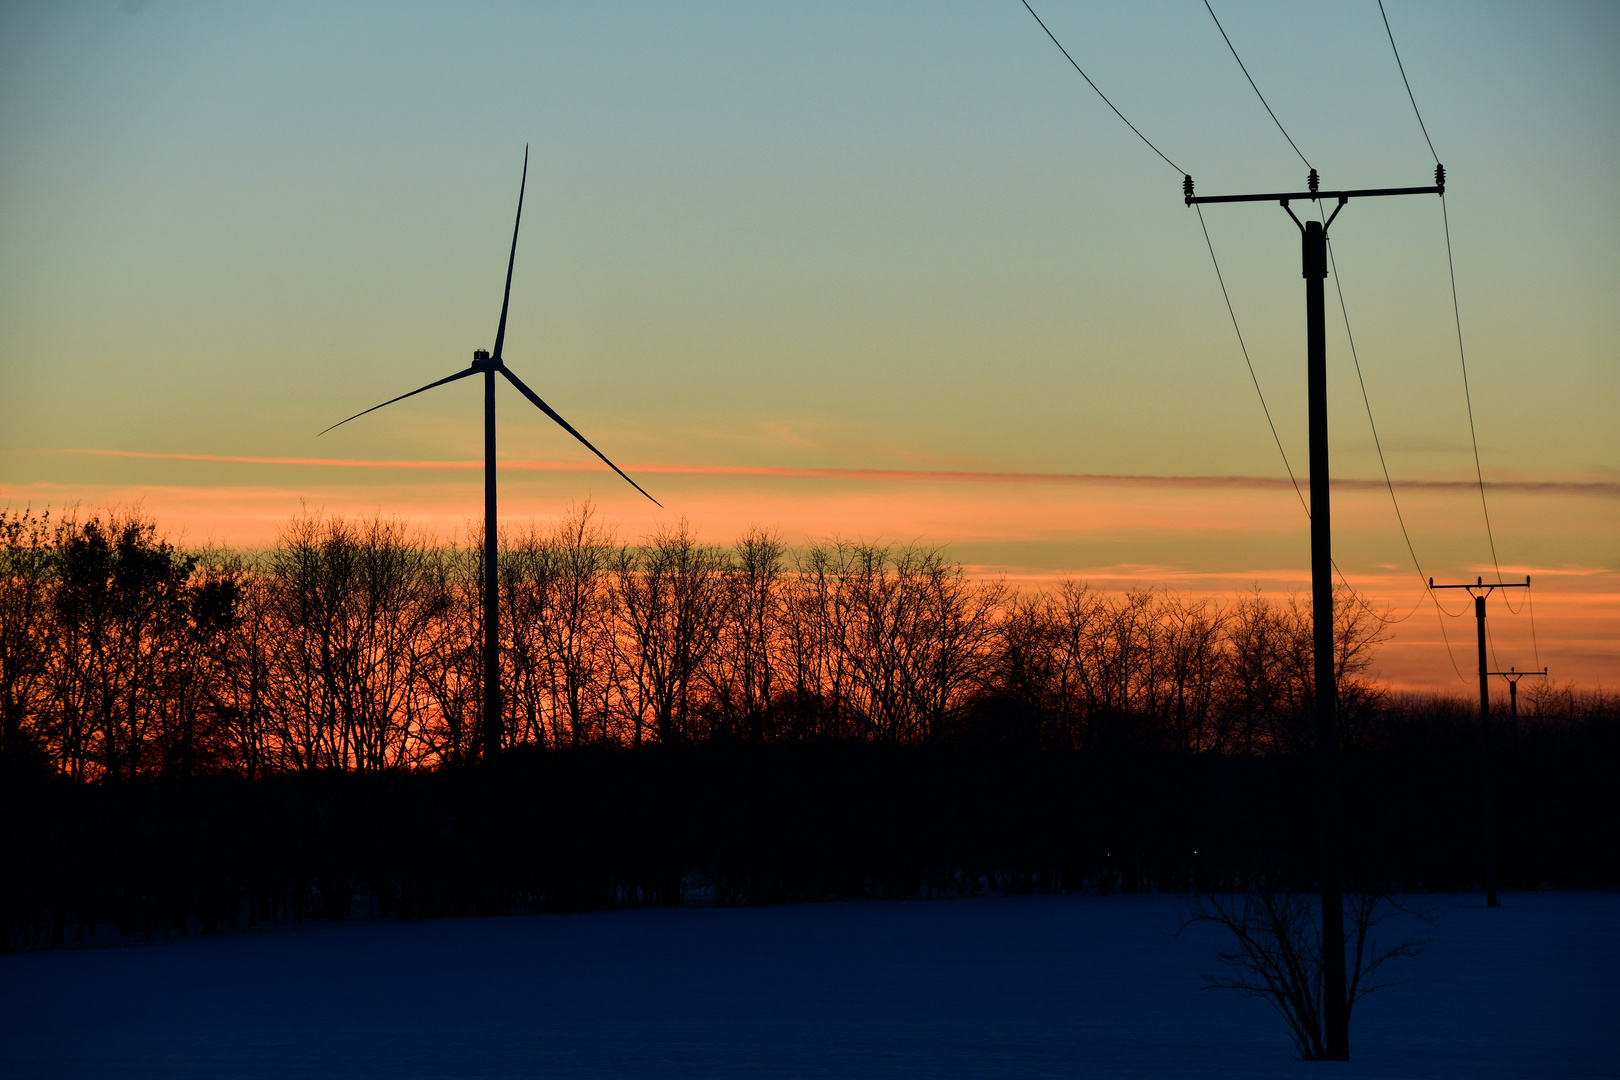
{"x": 1481, "y": 587}
{"x": 1312, "y": 193}
{"x": 1513, "y": 675}
{"x": 1290, "y": 196}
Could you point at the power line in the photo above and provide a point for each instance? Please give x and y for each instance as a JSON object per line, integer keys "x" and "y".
{"x": 1371, "y": 423}
{"x": 1257, "y": 92}
{"x": 1439, "y": 610}
{"x": 1208, "y": 243}
{"x": 1269, "y": 423}
{"x": 1402, "y": 68}
{"x": 1100, "y": 94}
{"x": 1457, "y": 318}
{"x": 1249, "y": 363}
{"x": 1428, "y": 593}
{"x": 1530, "y": 601}
{"x": 1456, "y": 310}
{"x": 1287, "y": 466}
{"x": 1440, "y": 622}
{"x": 1468, "y": 397}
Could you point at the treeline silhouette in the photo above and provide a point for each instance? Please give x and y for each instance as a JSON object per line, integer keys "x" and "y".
{"x": 353, "y": 645}
{"x": 199, "y": 739}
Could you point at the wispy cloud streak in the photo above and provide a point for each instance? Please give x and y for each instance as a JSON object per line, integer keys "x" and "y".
{"x": 1592, "y": 488}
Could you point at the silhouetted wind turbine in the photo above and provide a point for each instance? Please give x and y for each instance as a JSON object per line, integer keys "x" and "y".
{"x": 489, "y": 364}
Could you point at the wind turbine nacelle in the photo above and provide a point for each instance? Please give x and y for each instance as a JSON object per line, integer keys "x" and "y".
{"x": 480, "y": 360}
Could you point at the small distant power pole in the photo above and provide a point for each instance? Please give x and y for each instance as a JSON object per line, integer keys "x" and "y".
{"x": 1513, "y": 675}
{"x": 1313, "y": 237}
{"x": 1479, "y": 590}
{"x": 1510, "y": 800}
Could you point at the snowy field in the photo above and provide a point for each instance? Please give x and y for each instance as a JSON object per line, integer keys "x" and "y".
{"x": 1025, "y": 987}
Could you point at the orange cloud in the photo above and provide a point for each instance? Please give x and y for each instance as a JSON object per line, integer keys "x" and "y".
{"x": 1597, "y": 488}
{"x": 1204, "y": 536}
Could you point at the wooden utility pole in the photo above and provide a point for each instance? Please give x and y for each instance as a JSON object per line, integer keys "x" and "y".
{"x": 1510, "y": 796}
{"x": 1313, "y": 238}
{"x": 1513, "y": 676}
{"x": 1479, "y": 590}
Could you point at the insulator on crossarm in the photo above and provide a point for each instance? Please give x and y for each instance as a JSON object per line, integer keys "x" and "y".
{"x": 1187, "y": 188}
{"x": 1440, "y": 177}
{"x": 1312, "y": 181}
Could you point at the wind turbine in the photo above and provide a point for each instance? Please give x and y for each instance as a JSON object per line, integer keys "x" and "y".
{"x": 491, "y": 364}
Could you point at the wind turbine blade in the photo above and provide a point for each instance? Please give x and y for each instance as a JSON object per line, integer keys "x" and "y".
{"x": 566, "y": 426}
{"x": 449, "y": 379}
{"x": 500, "y": 333}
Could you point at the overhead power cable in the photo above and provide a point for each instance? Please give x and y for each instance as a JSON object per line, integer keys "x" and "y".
{"x": 1216, "y": 263}
{"x": 1249, "y": 363}
{"x": 1468, "y": 397}
{"x": 1277, "y": 439}
{"x": 1405, "y": 82}
{"x": 1456, "y": 310}
{"x": 1371, "y": 423}
{"x": 1264, "y": 408}
{"x": 1100, "y": 94}
{"x": 1530, "y": 602}
{"x": 1456, "y": 313}
{"x": 1207, "y": 243}
{"x": 1257, "y": 92}
{"x": 1366, "y": 401}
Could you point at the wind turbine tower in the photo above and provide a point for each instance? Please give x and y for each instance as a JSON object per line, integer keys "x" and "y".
{"x": 490, "y": 363}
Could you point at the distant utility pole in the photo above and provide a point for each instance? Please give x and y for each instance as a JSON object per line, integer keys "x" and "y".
{"x": 1513, "y": 676}
{"x": 1510, "y": 798}
{"x": 1313, "y": 234}
{"x": 1480, "y": 590}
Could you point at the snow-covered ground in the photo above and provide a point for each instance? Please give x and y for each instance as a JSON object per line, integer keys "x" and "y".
{"x": 1025, "y": 987}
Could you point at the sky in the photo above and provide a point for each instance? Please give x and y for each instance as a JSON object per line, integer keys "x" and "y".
{"x": 882, "y": 271}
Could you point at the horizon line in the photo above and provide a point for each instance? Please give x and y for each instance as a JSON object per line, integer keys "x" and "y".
{"x": 1599, "y": 488}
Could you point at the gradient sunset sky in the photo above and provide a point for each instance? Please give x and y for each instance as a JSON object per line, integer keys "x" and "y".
{"x": 888, "y": 271}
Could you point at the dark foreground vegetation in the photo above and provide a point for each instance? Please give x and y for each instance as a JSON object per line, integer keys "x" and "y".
{"x": 194, "y": 741}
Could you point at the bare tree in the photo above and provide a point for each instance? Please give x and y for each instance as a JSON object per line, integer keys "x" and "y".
{"x": 349, "y": 599}
{"x": 1276, "y": 953}
{"x": 1191, "y": 669}
{"x": 670, "y": 599}
{"x": 526, "y": 572}
{"x": 879, "y": 638}
{"x": 1076, "y": 689}
{"x": 447, "y": 663}
{"x": 236, "y": 641}
{"x": 742, "y": 678}
{"x": 1256, "y": 694}
{"x": 917, "y": 635}
{"x": 1357, "y": 632}
{"x": 815, "y": 616}
{"x": 352, "y": 646}
{"x": 26, "y": 562}
{"x": 579, "y": 635}
{"x": 120, "y": 615}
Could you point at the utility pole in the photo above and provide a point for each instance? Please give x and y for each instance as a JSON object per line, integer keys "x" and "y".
{"x": 1479, "y": 590}
{"x": 1510, "y": 797}
{"x": 1313, "y": 237}
{"x": 1513, "y": 676}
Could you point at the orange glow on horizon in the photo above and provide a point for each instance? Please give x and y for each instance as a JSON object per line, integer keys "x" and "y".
{"x": 1214, "y": 537}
